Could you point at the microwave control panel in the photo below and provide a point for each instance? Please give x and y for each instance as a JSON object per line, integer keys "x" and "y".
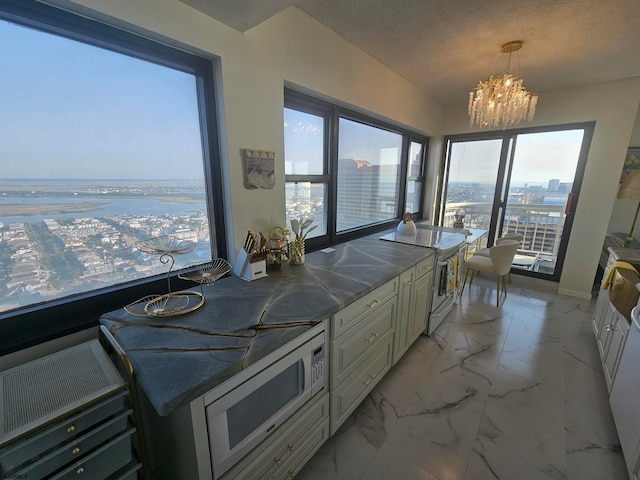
{"x": 317, "y": 368}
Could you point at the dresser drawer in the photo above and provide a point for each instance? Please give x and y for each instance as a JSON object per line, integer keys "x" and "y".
{"x": 102, "y": 462}
{"x": 348, "y": 351}
{"x": 65, "y": 431}
{"x": 350, "y": 315}
{"x": 355, "y": 388}
{"x": 75, "y": 449}
{"x": 130, "y": 472}
{"x": 425, "y": 266}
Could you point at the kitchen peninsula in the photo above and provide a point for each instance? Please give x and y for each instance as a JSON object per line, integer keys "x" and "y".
{"x": 179, "y": 359}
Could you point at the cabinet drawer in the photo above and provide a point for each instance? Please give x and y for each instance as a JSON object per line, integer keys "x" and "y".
{"x": 272, "y": 454}
{"x": 425, "y": 266}
{"x": 348, "y": 351}
{"x": 312, "y": 442}
{"x": 355, "y": 388}
{"x": 71, "y": 451}
{"x": 65, "y": 431}
{"x": 350, "y": 315}
{"x": 102, "y": 462}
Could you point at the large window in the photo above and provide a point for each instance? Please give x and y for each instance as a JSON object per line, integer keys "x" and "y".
{"x": 351, "y": 173}
{"x": 107, "y": 139}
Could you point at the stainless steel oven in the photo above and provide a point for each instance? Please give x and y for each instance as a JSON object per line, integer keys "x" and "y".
{"x": 241, "y": 418}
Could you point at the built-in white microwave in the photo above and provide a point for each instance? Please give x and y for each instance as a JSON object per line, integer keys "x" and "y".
{"x": 240, "y": 419}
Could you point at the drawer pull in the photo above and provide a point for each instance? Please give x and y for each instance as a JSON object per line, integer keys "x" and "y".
{"x": 372, "y": 304}
{"x": 408, "y": 283}
{"x": 80, "y": 471}
{"x": 75, "y": 451}
{"x": 372, "y": 338}
{"x": 292, "y": 473}
{"x": 369, "y": 379}
{"x": 278, "y": 460}
{"x": 291, "y": 447}
{"x": 608, "y": 328}
{"x": 71, "y": 428}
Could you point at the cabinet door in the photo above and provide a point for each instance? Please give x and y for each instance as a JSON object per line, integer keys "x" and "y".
{"x": 617, "y": 335}
{"x": 421, "y": 302}
{"x": 600, "y": 311}
{"x": 405, "y": 313}
{"x": 606, "y": 329}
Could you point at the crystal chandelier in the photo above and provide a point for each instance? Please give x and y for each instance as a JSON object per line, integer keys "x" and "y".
{"x": 502, "y": 99}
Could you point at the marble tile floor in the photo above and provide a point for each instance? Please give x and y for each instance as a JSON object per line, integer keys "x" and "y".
{"x": 510, "y": 393}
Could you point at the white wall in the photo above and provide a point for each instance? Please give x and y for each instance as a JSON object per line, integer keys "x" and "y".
{"x": 613, "y": 106}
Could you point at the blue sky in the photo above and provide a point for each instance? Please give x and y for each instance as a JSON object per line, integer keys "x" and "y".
{"x": 69, "y": 110}
{"x": 539, "y": 157}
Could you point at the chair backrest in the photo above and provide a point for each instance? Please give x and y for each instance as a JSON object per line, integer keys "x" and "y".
{"x": 510, "y": 236}
{"x": 502, "y": 255}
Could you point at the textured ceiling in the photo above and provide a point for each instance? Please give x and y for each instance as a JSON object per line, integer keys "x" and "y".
{"x": 446, "y": 46}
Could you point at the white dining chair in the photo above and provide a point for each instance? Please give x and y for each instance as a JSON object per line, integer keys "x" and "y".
{"x": 498, "y": 262}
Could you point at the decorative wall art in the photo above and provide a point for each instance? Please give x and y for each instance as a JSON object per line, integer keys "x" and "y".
{"x": 631, "y": 162}
{"x": 259, "y": 168}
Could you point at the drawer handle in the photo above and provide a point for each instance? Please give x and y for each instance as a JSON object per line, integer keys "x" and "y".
{"x": 372, "y": 338}
{"x": 290, "y": 447}
{"x": 292, "y": 473}
{"x": 278, "y": 460}
{"x": 407, "y": 283}
{"x": 369, "y": 379}
{"x": 375, "y": 302}
{"x": 608, "y": 328}
{"x": 71, "y": 429}
{"x": 80, "y": 471}
{"x": 75, "y": 451}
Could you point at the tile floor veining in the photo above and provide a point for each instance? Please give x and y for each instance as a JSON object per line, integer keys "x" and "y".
{"x": 510, "y": 393}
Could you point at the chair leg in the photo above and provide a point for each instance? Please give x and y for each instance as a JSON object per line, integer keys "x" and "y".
{"x": 465, "y": 280}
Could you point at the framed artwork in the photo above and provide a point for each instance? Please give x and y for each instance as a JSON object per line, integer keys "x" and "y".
{"x": 631, "y": 162}
{"x": 259, "y": 168}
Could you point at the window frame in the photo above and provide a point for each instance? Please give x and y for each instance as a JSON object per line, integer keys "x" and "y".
{"x": 332, "y": 113}
{"x": 37, "y": 323}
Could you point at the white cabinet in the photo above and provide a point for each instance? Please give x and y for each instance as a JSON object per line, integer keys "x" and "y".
{"x": 414, "y": 301}
{"x": 610, "y": 328}
{"x": 290, "y": 447}
{"x": 361, "y": 349}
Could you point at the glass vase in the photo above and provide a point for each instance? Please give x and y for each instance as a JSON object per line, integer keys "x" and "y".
{"x": 297, "y": 252}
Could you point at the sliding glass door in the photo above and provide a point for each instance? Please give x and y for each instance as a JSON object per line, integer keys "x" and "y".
{"x": 525, "y": 182}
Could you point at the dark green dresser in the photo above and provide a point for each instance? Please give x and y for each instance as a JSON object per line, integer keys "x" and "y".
{"x": 66, "y": 415}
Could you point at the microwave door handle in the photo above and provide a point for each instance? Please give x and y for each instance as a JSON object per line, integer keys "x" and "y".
{"x": 305, "y": 374}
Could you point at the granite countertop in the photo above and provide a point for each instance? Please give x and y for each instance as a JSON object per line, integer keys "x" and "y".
{"x": 631, "y": 255}
{"x": 177, "y": 359}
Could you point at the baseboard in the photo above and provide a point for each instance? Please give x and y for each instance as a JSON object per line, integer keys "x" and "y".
{"x": 573, "y": 293}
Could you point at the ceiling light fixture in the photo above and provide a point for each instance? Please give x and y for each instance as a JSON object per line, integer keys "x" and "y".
{"x": 502, "y": 99}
